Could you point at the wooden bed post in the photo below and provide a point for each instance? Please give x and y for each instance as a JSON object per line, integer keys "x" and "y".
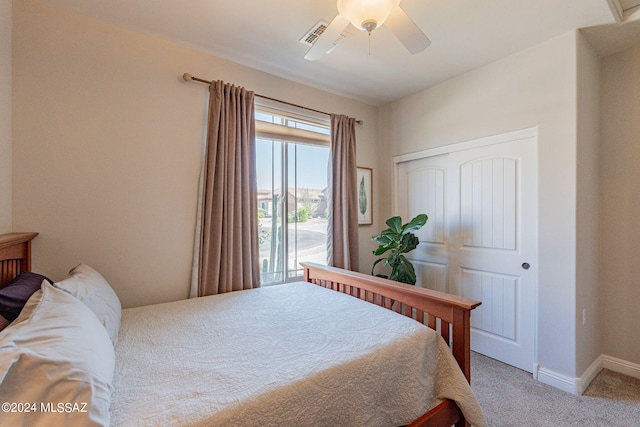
{"x": 461, "y": 345}
{"x": 15, "y": 255}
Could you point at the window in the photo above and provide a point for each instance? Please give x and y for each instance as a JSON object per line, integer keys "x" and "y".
{"x": 292, "y": 158}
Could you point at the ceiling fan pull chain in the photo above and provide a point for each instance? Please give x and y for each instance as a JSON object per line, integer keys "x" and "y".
{"x": 369, "y": 43}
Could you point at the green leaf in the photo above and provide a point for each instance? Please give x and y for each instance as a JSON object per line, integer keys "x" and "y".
{"x": 409, "y": 242}
{"x": 384, "y": 238}
{"x": 405, "y": 272}
{"x": 383, "y": 248}
{"x": 392, "y": 258}
{"x": 415, "y": 224}
{"x": 395, "y": 224}
{"x": 389, "y": 233}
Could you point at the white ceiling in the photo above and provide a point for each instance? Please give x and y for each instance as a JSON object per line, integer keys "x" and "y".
{"x": 264, "y": 34}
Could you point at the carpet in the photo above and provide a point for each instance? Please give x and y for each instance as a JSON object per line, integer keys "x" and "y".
{"x": 511, "y": 397}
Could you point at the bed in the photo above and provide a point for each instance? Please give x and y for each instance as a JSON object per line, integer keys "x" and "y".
{"x": 339, "y": 348}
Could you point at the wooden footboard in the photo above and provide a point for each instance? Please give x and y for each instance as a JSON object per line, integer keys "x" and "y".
{"x": 448, "y": 314}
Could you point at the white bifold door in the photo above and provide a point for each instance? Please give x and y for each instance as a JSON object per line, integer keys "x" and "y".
{"x": 481, "y": 237}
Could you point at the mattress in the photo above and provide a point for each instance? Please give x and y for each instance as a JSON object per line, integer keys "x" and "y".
{"x": 292, "y": 354}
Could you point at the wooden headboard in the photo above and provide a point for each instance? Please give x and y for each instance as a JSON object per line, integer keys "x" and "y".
{"x": 15, "y": 255}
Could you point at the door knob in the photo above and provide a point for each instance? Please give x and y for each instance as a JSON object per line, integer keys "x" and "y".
{"x": 525, "y": 265}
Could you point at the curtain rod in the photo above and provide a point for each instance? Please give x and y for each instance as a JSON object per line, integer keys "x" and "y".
{"x": 188, "y": 77}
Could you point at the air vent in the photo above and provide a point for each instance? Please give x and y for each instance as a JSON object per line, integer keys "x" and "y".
{"x": 316, "y": 31}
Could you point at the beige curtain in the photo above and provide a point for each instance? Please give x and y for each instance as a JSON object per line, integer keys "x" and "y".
{"x": 227, "y": 241}
{"x": 342, "y": 247}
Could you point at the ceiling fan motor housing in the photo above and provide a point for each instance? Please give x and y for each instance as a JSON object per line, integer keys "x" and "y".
{"x": 369, "y": 25}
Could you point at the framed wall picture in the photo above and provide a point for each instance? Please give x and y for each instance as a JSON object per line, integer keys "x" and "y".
{"x": 365, "y": 196}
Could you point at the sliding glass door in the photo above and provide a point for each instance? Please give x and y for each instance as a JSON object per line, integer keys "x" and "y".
{"x": 292, "y": 206}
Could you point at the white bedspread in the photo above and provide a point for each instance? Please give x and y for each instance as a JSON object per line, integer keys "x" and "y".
{"x": 288, "y": 355}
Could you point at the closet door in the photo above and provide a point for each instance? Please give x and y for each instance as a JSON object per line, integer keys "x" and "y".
{"x": 481, "y": 238}
{"x": 424, "y": 188}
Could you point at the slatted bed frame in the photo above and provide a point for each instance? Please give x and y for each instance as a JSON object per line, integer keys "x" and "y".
{"x": 449, "y": 315}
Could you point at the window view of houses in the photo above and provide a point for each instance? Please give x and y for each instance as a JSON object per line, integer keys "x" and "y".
{"x": 292, "y": 223}
{"x": 306, "y": 221}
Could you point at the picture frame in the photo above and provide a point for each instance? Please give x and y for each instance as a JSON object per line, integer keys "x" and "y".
{"x": 365, "y": 195}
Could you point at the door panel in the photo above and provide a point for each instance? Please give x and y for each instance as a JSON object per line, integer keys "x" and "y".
{"x": 426, "y": 194}
{"x": 499, "y": 296}
{"x": 432, "y": 275}
{"x": 482, "y": 228}
{"x": 424, "y": 191}
{"x": 488, "y": 203}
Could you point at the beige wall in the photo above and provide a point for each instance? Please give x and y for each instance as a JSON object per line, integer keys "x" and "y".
{"x": 5, "y": 116}
{"x": 535, "y": 87}
{"x": 107, "y": 143}
{"x": 620, "y": 294}
{"x": 588, "y": 344}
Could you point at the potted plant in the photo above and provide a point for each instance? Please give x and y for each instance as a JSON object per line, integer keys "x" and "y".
{"x": 398, "y": 239}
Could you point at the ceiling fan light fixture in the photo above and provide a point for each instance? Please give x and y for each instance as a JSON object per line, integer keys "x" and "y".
{"x": 366, "y": 15}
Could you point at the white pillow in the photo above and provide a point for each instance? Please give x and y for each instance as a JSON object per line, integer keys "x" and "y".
{"x": 86, "y": 284}
{"x": 56, "y": 352}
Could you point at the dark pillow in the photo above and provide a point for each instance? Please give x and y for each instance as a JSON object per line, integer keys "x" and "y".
{"x": 16, "y": 293}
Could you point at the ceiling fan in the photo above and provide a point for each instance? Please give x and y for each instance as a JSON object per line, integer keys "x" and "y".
{"x": 367, "y": 15}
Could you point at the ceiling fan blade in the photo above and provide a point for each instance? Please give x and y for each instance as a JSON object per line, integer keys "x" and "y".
{"x": 327, "y": 39}
{"x": 407, "y": 31}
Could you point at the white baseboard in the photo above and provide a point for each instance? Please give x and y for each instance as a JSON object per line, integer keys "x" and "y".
{"x": 592, "y": 371}
{"x": 557, "y": 380}
{"x": 579, "y": 385}
{"x": 621, "y": 366}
